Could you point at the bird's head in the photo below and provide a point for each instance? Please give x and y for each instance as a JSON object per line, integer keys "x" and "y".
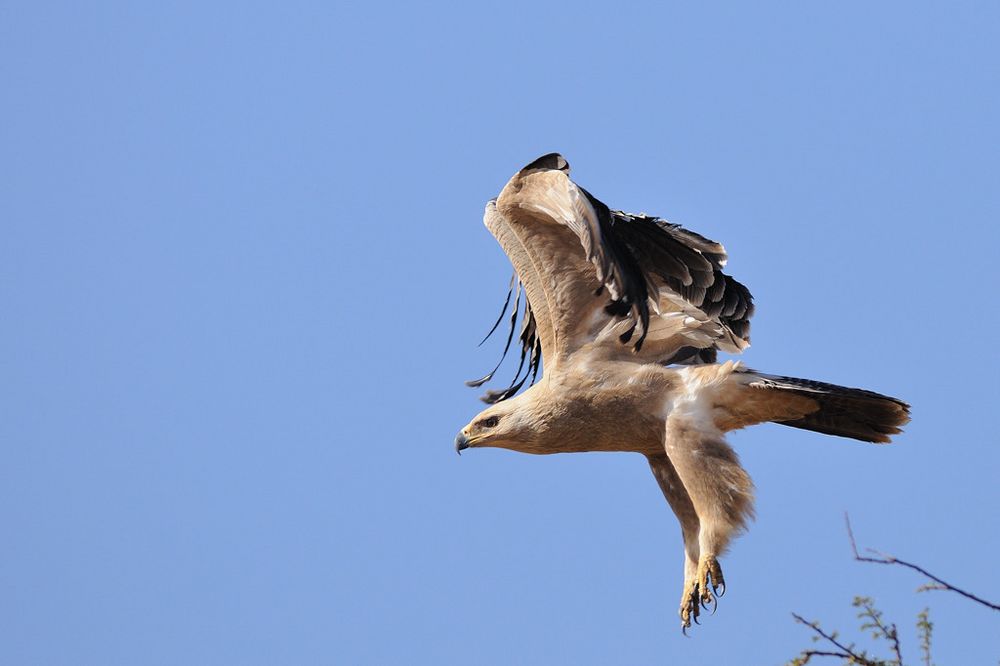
{"x": 511, "y": 424}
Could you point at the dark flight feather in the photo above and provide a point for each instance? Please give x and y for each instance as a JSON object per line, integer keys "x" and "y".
{"x": 503, "y": 311}
{"x": 845, "y": 412}
{"x": 474, "y": 383}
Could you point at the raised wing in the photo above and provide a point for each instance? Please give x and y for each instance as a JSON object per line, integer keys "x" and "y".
{"x": 619, "y": 285}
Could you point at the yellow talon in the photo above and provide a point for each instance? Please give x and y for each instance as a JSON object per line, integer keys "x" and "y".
{"x": 690, "y": 609}
{"x": 709, "y": 577}
{"x": 701, "y": 591}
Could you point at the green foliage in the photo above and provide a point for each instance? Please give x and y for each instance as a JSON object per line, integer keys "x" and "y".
{"x": 873, "y": 621}
{"x": 924, "y": 629}
{"x": 881, "y": 631}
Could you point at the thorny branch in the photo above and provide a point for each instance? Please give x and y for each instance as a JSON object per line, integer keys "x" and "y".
{"x": 807, "y": 655}
{"x": 890, "y": 633}
{"x": 845, "y": 651}
{"x": 938, "y": 584}
{"x": 872, "y": 618}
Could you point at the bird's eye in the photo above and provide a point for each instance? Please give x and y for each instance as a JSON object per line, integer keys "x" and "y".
{"x": 490, "y": 422}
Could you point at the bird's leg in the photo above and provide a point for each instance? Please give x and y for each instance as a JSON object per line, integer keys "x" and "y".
{"x": 680, "y": 503}
{"x": 690, "y": 606}
{"x": 720, "y": 492}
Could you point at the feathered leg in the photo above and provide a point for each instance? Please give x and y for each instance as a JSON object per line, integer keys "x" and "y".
{"x": 720, "y": 490}
{"x": 680, "y": 503}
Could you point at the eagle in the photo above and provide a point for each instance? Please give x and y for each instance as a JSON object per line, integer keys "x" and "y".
{"x": 629, "y": 312}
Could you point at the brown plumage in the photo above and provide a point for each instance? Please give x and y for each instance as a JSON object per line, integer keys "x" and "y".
{"x": 628, "y": 312}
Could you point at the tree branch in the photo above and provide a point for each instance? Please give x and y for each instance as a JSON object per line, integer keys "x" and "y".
{"x": 806, "y": 655}
{"x": 845, "y": 651}
{"x": 889, "y": 633}
{"x": 939, "y": 584}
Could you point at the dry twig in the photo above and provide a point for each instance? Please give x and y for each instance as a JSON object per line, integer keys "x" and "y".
{"x": 846, "y": 652}
{"x": 938, "y": 584}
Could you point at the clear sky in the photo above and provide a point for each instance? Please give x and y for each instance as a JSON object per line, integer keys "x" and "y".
{"x": 243, "y": 274}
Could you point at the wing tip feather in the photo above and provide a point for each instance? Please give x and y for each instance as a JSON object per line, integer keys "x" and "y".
{"x": 549, "y": 162}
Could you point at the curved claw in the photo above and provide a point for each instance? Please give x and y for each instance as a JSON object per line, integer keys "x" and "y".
{"x": 720, "y": 589}
{"x": 713, "y": 607}
{"x": 693, "y": 611}
{"x": 684, "y": 630}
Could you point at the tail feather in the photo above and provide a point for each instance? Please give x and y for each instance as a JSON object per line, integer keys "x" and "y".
{"x": 842, "y": 411}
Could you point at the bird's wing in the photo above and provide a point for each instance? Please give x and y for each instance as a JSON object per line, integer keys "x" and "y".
{"x": 619, "y": 285}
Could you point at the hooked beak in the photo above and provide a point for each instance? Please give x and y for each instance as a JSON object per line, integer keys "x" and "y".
{"x": 461, "y": 442}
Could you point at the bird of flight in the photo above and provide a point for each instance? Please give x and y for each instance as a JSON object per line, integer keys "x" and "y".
{"x": 629, "y": 312}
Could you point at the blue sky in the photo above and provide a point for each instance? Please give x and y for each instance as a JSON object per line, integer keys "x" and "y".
{"x": 243, "y": 276}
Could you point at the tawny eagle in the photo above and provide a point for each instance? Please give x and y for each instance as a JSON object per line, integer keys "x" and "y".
{"x": 629, "y": 312}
